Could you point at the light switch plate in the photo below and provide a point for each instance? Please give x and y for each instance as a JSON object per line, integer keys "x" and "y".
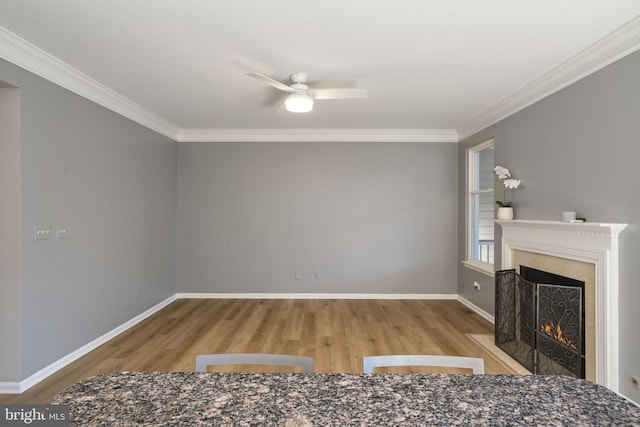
{"x": 41, "y": 232}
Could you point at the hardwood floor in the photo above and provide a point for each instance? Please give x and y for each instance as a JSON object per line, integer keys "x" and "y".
{"x": 337, "y": 333}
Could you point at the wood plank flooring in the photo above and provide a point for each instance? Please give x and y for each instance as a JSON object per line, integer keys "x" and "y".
{"x": 336, "y": 333}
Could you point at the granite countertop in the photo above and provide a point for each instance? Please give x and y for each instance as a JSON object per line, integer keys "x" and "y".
{"x": 197, "y": 399}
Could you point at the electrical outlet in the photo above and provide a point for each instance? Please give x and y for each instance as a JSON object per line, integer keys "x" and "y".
{"x": 316, "y": 275}
{"x": 138, "y": 291}
{"x": 62, "y": 231}
{"x": 635, "y": 381}
{"x": 273, "y": 275}
{"x": 298, "y": 275}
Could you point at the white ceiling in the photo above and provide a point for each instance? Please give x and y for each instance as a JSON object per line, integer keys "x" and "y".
{"x": 179, "y": 65}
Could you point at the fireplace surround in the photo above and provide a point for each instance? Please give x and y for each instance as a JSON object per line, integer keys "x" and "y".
{"x": 587, "y": 252}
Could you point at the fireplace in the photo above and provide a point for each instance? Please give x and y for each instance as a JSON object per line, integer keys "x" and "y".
{"x": 540, "y": 321}
{"x": 587, "y": 252}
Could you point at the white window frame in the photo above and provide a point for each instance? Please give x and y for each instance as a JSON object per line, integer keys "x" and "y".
{"x": 469, "y": 262}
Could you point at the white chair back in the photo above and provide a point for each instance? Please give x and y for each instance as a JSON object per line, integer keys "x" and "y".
{"x": 476, "y": 364}
{"x": 204, "y": 360}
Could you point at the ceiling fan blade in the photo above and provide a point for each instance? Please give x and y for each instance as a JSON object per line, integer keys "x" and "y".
{"x": 281, "y": 109}
{"x": 338, "y": 93}
{"x": 270, "y": 81}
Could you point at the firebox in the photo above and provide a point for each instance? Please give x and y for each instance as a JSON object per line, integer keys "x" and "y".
{"x": 539, "y": 321}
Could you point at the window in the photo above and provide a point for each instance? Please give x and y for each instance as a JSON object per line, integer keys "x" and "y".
{"x": 480, "y": 208}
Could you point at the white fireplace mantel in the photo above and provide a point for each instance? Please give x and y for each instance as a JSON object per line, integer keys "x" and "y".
{"x": 595, "y": 243}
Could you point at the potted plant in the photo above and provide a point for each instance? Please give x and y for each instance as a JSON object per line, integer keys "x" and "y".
{"x": 505, "y": 206}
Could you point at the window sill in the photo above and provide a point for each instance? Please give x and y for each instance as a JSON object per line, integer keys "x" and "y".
{"x": 481, "y": 267}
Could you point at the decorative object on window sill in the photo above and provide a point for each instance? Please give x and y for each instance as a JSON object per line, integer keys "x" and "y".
{"x": 505, "y": 207}
{"x": 505, "y": 212}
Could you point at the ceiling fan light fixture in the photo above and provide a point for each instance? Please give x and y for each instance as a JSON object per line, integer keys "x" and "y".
{"x": 299, "y": 102}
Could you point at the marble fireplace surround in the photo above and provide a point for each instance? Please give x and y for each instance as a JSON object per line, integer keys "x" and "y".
{"x": 594, "y": 244}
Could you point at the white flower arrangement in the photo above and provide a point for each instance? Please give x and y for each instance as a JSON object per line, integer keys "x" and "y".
{"x": 505, "y": 176}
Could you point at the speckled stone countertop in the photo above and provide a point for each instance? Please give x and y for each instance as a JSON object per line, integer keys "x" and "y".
{"x": 233, "y": 399}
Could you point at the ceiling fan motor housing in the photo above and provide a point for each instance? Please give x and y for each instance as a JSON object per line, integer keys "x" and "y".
{"x": 298, "y": 77}
{"x": 299, "y": 87}
{"x": 301, "y": 97}
{"x": 300, "y": 100}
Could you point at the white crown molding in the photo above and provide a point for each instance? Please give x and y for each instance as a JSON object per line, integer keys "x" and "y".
{"x": 616, "y": 45}
{"x": 318, "y": 135}
{"x": 30, "y": 57}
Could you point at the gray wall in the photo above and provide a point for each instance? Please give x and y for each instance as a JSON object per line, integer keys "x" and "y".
{"x": 9, "y": 233}
{"x": 370, "y": 217}
{"x": 577, "y": 150}
{"x": 113, "y": 182}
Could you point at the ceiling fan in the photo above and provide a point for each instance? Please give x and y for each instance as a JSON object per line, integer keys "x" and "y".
{"x": 301, "y": 96}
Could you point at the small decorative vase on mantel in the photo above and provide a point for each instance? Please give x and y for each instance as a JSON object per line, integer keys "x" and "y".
{"x": 505, "y": 213}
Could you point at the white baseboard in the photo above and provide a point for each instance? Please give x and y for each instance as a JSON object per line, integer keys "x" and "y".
{"x": 477, "y": 309}
{"x": 20, "y": 387}
{"x": 199, "y": 295}
{"x": 10, "y": 388}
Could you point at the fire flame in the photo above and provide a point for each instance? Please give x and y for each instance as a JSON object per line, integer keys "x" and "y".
{"x": 555, "y": 331}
